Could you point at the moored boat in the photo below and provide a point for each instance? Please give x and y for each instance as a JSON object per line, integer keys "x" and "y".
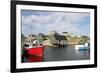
{"x": 34, "y": 50}
{"x": 82, "y": 47}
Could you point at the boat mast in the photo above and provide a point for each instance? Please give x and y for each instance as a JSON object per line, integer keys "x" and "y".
{"x": 37, "y": 39}
{"x": 31, "y": 35}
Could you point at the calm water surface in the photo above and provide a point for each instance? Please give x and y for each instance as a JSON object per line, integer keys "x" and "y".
{"x": 61, "y": 54}
{"x": 67, "y": 53}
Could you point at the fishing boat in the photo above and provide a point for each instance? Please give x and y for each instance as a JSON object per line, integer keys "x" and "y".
{"x": 34, "y": 53}
{"x": 34, "y": 50}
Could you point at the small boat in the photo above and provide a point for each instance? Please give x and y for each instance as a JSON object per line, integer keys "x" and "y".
{"x": 34, "y": 52}
{"x": 35, "y": 48}
{"x": 82, "y": 47}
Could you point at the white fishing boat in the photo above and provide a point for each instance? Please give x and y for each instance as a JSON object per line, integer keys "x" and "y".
{"x": 82, "y": 46}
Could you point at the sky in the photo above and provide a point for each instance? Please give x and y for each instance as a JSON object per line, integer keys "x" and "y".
{"x": 33, "y": 21}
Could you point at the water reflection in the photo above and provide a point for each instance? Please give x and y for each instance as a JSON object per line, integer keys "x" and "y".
{"x": 67, "y": 53}
{"x": 60, "y": 54}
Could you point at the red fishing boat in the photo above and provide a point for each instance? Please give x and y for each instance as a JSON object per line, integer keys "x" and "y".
{"x": 34, "y": 49}
{"x": 34, "y": 52}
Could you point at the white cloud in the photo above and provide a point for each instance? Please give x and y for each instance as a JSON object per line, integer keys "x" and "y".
{"x": 59, "y": 21}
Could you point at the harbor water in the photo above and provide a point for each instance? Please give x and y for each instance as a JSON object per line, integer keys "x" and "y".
{"x": 68, "y": 53}
{"x": 65, "y": 54}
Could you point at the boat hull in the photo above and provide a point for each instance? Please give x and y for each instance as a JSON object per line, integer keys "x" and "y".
{"x": 35, "y": 51}
{"x": 35, "y": 54}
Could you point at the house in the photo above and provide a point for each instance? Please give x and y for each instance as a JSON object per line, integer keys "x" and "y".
{"x": 65, "y": 33}
{"x": 58, "y": 39}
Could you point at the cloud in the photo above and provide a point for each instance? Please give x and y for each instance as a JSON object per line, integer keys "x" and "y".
{"x": 43, "y": 21}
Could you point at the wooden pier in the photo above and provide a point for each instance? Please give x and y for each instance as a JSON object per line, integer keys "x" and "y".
{"x": 60, "y": 45}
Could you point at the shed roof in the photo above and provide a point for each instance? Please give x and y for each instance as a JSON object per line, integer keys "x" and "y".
{"x": 59, "y": 37}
